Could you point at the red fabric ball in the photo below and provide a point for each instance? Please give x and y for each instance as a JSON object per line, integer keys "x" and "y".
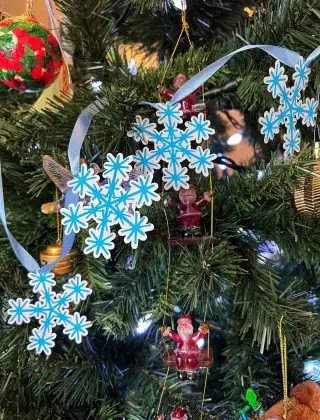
{"x": 30, "y": 56}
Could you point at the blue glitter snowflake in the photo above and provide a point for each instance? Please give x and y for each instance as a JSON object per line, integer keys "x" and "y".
{"x": 173, "y": 145}
{"x": 51, "y": 310}
{"x": 291, "y": 106}
{"x": 111, "y": 202}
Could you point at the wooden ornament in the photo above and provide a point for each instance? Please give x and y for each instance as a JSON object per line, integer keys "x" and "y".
{"x": 307, "y": 195}
{"x": 52, "y": 253}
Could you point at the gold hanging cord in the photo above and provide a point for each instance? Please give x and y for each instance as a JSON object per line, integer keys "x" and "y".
{"x": 59, "y": 225}
{"x": 29, "y": 6}
{"x": 207, "y": 369}
{"x": 164, "y": 311}
{"x": 283, "y": 352}
{"x": 184, "y": 28}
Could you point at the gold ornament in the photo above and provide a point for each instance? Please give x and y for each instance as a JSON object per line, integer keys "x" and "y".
{"x": 52, "y": 253}
{"x": 307, "y": 195}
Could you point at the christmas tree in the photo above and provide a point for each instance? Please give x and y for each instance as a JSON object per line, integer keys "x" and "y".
{"x": 246, "y": 263}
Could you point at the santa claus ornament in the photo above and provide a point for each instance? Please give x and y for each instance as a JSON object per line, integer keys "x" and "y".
{"x": 189, "y": 105}
{"x": 177, "y": 414}
{"x": 187, "y": 358}
{"x": 30, "y": 56}
{"x": 189, "y": 215}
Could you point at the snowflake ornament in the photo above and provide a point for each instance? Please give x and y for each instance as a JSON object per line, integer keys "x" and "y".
{"x": 110, "y": 203}
{"x": 51, "y": 310}
{"x": 291, "y": 106}
{"x": 173, "y": 145}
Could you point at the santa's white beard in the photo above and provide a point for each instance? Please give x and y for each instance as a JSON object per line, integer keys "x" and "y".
{"x": 185, "y": 332}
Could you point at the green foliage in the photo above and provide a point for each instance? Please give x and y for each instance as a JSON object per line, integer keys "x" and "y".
{"x": 157, "y": 24}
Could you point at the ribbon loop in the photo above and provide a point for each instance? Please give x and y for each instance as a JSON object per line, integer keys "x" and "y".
{"x": 288, "y": 57}
{"x": 84, "y": 120}
{"x": 76, "y": 141}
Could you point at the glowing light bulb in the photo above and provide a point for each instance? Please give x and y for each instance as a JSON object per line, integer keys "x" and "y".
{"x": 200, "y": 343}
{"x": 222, "y": 167}
{"x": 180, "y": 4}
{"x": 143, "y": 324}
{"x": 234, "y": 139}
{"x": 132, "y": 67}
{"x": 96, "y": 85}
{"x": 312, "y": 369}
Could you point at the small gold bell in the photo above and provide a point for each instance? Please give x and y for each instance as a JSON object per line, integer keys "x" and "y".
{"x": 307, "y": 195}
{"x": 52, "y": 253}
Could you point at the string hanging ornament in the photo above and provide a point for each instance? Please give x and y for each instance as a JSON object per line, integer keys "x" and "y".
{"x": 284, "y": 367}
{"x": 30, "y": 56}
{"x": 187, "y": 363}
{"x": 60, "y": 176}
{"x": 307, "y": 195}
{"x": 53, "y": 252}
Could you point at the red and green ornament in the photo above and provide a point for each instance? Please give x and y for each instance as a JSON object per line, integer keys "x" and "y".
{"x": 30, "y": 56}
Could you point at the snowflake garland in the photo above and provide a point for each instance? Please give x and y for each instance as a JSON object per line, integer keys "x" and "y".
{"x": 114, "y": 202}
{"x": 51, "y": 310}
{"x": 173, "y": 146}
{"x": 291, "y": 106}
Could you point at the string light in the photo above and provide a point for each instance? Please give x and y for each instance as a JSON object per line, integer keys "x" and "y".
{"x": 180, "y": 4}
{"x": 234, "y": 139}
{"x": 143, "y": 324}
{"x": 312, "y": 369}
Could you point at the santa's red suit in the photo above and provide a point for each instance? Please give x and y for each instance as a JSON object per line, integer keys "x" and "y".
{"x": 189, "y": 215}
{"x": 178, "y": 414}
{"x": 188, "y": 103}
{"x": 187, "y": 351}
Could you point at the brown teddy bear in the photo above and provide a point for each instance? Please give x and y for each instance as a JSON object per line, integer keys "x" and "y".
{"x": 304, "y": 404}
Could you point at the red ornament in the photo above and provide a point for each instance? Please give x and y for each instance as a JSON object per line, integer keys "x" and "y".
{"x": 189, "y": 104}
{"x": 189, "y": 210}
{"x": 30, "y": 56}
{"x": 178, "y": 414}
{"x": 187, "y": 357}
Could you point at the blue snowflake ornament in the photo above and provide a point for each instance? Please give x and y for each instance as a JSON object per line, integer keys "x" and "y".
{"x": 51, "y": 310}
{"x": 173, "y": 145}
{"x": 110, "y": 203}
{"x": 291, "y": 106}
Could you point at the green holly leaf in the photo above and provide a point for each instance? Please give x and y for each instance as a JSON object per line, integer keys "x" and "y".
{"x": 7, "y": 42}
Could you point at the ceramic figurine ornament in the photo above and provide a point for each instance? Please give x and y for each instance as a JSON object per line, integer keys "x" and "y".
{"x": 189, "y": 105}
{"x": 177, "y": 414}
{"x": 189, "y": 215}
{"x": 189, "y": 210}
{"x": 188, "y": 358}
